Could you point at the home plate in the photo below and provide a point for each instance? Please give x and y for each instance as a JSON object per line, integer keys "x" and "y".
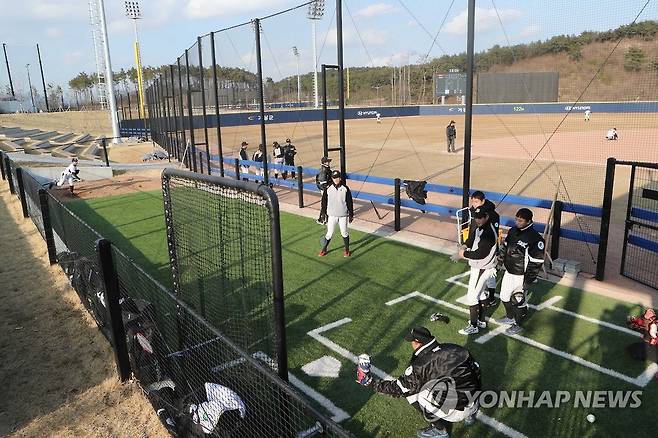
{"x": 326, "y": 366}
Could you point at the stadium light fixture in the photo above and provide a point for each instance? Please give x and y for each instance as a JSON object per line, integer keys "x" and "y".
{"x": 314, "y": 13}
{"x": 134, "y": 13}
{"x": 295, "y": 52}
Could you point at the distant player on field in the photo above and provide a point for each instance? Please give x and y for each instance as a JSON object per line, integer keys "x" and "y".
{"x": 379, "y": 118}
{"x": 612, "y": 134}
{"x": 337, "y": 208}
{"x": 588, "y": 113}
{"x": 451, "y": 134}
{"x": 70, "y": 175}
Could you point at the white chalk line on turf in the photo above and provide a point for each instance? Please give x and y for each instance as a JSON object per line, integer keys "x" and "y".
{"x": 337, "y": 413}
{"x": 640, "y": 381}
{"x": 316, "y": 334}
{"x": 548, "y": 304}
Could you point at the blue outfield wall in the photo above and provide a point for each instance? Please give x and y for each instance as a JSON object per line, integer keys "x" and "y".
{"x": 315, "y": 115}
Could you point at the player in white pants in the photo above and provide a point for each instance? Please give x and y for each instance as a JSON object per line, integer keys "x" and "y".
{"x": 522, "y": 253}
{"x": 588, "y": 114}
{"x": 481, "y": 251}
{"x": 69, "y": 175}
{"x": 336, "y": 208}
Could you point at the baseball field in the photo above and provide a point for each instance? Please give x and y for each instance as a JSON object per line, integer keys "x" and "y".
{"x": 338, "y": 307}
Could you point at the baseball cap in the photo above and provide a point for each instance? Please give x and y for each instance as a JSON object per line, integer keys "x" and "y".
{"x": 244, "y": 143}
{"x": 419, "y": 334}
{"x": 287, "y": 140}
{"x": 325, "y": 160}
{"x": 479, "y": 213}
{"x": 74, "y": 160}
{"x": 335, "y": 174}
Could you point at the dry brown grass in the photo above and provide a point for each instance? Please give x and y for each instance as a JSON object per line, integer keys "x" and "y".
{"x": 57, "y": 371}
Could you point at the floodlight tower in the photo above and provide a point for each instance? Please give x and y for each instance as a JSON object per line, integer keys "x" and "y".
{"x": 11, "y": 84}
{"x": 29, "y": 84}
{"x": 299, "y": 82}
{"x": 133, "y": 12}
{"x": 315, "y": 12}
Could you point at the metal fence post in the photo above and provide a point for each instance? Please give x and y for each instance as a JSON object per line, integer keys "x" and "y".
{"x": 397, "y": 204}
{"x": 555, "y": 229}
{"x": 111, "y": 282}
{"x": 2, "y": 165}
{"x": 300, "y": 186}
{"x": 201, "y": 162}
{"x": 104, "y": 144}
{"x": 21, "y": 191}
{"x": 10, "y": 179}
{"x": 47, "y": 226}
{"x": 237, "y": 169}
{"x": 605, "y": 217}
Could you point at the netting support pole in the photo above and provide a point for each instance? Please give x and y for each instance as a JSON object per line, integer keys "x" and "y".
{"x": 21, "y": 191}
{"x": 107, "y": 158}
{"x": 325, "y": 134}
{"x": 605, "y": 217}
{"x": 397, "y": 204}
{"x": 468, "y": 120}
{"x": 341, "y": 86}
{"x": 112, "y": 295}
{"x": 201, "y": 163}
{"x": 47, "y": 226}
{"x": 190, "y": 113}
{"x": 555, "y": 229}
{"x": 237, "y": 169}
{"x": 277, "y": 280}
{"x": 261, "y": 95}
{"x": 216, "y": 91}
{"x": 300, "y": 187}
{"x": 10, "y": 179}
{"x": 2, "y": 165}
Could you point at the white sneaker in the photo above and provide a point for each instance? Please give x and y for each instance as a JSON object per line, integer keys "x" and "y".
{"x": 469, "y": 330}
{"x": 505, "y": 320}
{"x": 482, "y": 324}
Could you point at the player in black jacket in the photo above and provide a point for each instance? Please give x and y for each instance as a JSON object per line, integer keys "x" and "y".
{"x": 481, "y": 252}
{"x": 442, "y": 381}
{"x": 522, "y": 254}
{"x": 289, "y": 152}
{"x": 478, "y": 200}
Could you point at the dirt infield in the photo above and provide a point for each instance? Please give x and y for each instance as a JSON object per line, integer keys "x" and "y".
{"x": 129, "y": 182}
{"x": 57, "y": 370}
{"x": 503, "y": 145}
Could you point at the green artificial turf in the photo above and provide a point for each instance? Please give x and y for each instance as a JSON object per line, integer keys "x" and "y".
{"x": 319, "y": 291}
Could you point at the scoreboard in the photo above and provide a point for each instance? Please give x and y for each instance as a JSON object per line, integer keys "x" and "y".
{"x": 450, "y": 84}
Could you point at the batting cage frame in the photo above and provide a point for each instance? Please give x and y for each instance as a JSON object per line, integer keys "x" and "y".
{"x": 247, "y": 291}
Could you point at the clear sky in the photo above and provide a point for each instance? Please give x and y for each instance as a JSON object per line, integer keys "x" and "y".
{"x": 377, "y": 32}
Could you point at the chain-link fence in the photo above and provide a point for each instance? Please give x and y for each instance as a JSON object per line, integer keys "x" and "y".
{"x": 208, "y": 355}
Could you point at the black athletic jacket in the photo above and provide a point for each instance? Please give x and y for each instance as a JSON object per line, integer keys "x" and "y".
{"x": 323, "y": 179}
{"x": 494, "y": 217}
{"x": 523, "y": 252}
{"x": 482, "y": 244}
{"x": 431, "y": 363}
{"x": 451, "y": 131}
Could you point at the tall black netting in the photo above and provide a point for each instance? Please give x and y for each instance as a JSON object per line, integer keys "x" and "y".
{"x": 220, "y": 235}
{"x": 31, "y": 186}
{"x": 75, "y": 243}
{"x": 198, "y": 380}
